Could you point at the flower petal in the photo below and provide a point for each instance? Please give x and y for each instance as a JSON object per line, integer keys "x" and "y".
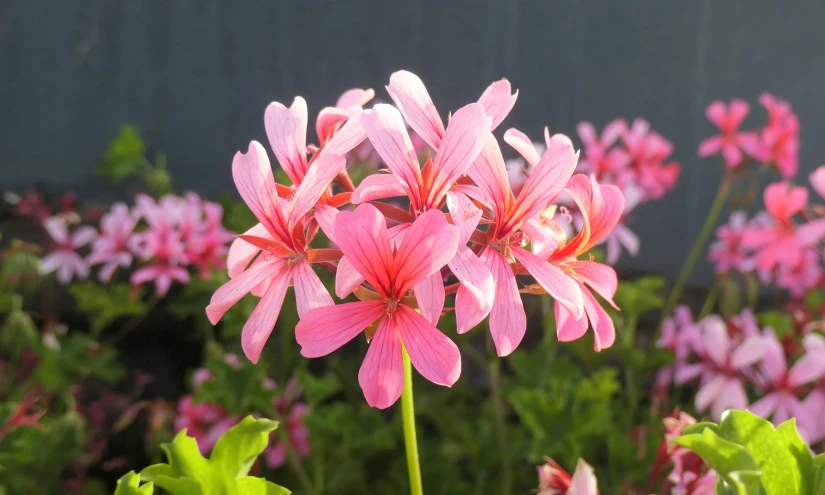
{"x": 256, "y": 185}
{"x": 382, "y": 373}
{"x": 808, "y": 368}
{"x": 716, "y": 339}
{"x": 57, "y": 230}
{"x": 508, "y": 321}
{"x": 599, "y": 277}
{"x": 498, "y": 101}
{"x": 411, "y": 97}
{"x": 521, "y": 143}
{"x": 558, "y": 284}
{"x": 325, "y": 215}
{"x": 310, "y": 292}
{"x": 583, "y": 481}
{"x": 603, "y": 328}
{"x": 477, "y": 284}
{"x": 490, "y": 174}
{"x": 709, "y": 392}
{"x": 350, "y": 135}
{"x": 355, "y": 97}
{"x": 429, "y": 293}
{"x": 325, "y": 329}
{"x": 432, "y": 353}
{"x": 231, "y": 292}
{"x": 261, "y": 322}
{"x": 362, "y": 236}
{"x": 286, "y": 129}
{"x": 378, "y": 186}
{"x": 465, "y": 214}
{"x": 428, "y": 245}
{"x": 749, "y": 352}
{"x": 241, "y": 252}
{"x": 568, "y": 327}
{"x": 347, "y": 278}
{"x": 316, "y": 181}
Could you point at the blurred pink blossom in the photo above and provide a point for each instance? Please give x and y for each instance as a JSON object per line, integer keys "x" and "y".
{"x": 728, "y": 252}
{"x": 63, "y": 257}
{"x": 111, "y": 246}
{"x": 730, "y": 142}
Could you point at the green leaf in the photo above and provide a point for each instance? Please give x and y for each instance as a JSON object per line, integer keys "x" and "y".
{"x": 781, "y": 322}
{"x": 189, "y": 473}
{"x": 819, "y": 472}
{"x": 724, "y": 456}
{"x": 129, "y": 484}
{"x": 125, "y": 155}
{"x": 106, "y": 304}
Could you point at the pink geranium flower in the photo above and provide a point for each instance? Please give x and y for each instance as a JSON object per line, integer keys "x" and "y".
{"x": 781, "y": 386}
{"x": 428, "y": 244}
{"x": 779, "y": 140}
{"x": 111, "y": 246}
{"x": 63, "y": 257}
{"x": 553, "y": 480}
{"x": 728, "y": 252}
{"x": 682, "y": 336}
{"x": 283, "y": 237}
{"x": 727, "y": 363}
{"x": 730, "y": 142}
{"x": 781, "y": 244}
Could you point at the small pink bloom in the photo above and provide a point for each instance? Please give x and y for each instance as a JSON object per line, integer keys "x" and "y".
{"x": 730, "y": 142}
{"x": 728, "y": 252}
{"x": 204, "y": 421}
{"x": 63, "y": 257}
{"x": 781, "y": 386}
{"x": 428, "y": 244}
{"x": 727, "y": 362}
{"x": 553, "y": 480}
{"x": 275, "y": 453}
{"x": 111, "y": 246}
{"x": 682, "y": 336}
{"x": 779, "y": 140}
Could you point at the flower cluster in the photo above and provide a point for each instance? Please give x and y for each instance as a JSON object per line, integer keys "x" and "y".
{"x": 776, "y": 143}
{"x": 396, "y": 259}
{"x": 208, "y": 421}
{"x": 167, "y": 236}
{"x": 739, "y": 366}
{"x": 782, "y": 245}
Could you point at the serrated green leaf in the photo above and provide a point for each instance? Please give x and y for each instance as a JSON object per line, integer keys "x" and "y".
{"x": 129, "y": 484}
{"x": 819, "y": 474}
{"x": 724, "y": 456}
{"x": 260, "y": 486}
{"x": 238, "y": 448}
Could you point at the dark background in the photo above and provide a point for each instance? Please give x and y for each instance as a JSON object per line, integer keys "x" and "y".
{"x": 196, "y": 75}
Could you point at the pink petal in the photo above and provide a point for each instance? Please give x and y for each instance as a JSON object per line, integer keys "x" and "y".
{"x": 810, "y": 233}
{"x": 428, "y": 245}
{"x": 508, "y": 321}
{"x": 256, "y": 185}
{"x": 262, "y": 320}
{"x": 765, "y": 406}
{"x": 478, "y": 285}
{"x": 347, "y": 278}
{"x": 716, "y": 339}
{"x": 808, "y": 368}
{"x": 83, "y": 235}
{"x": 521, "y": 143}
{"x": 465, "y": 137}
{"x": 382, "y": 373}
{"x": 57, "y": 230}
{"x": 242, "y": 252}
{"x": 583, "y": 481}
{"x": 687, "y": 372}
{"x": 558, "y": 284}
{"x": 711, "y": 146}
{"x": 817, "y": 179}
{"x": 378, "y": 186}
{"x": 733, "y": 396}
{"x": 231, "y": 292}
{"x": 328, "y": 121}
{"x": 52, "y": 262}
{"x": 316, "y": 181}
{"x": 568, "y": 328}
{"x": 325, "y": 329}
{"x": 388, "y": 135}
{"x": 310, "y": 292}
{"x": 587, "y": 133}
{"x": 431, "y": 352}
{"x": 350, "y": 135}
{"x": 717, "y": 113}
{"x": 412, "y": 98}
{"x": 355, "y": 97}
{"x": 709, "y": 393}
{"x": 737, "y": 111}
{"x": 465, "y": 214}
{"x": 498, "y": 101}
{"x": 325, "y": 215}
{"x": 749, "y": 352}
{"x": 599, "y": 277}
{"x": 429, "y": 294}
{"x": 601, "y": 322}
{"x": 362, "y": 236}
{"x": 490, "y": 174}
{"x": 286, "y": 129}
{"x": 548, "y": 179}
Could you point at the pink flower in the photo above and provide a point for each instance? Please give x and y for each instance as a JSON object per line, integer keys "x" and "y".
{"x": 621, "y": 236}
{"x": 202, "y": 233}
{"x": 727, "y": 361}
{"x": 205, "y": 422}
{"x": 428, "y": 189}
{"x": 781, "y": 244}
{"x": 817, "y": 179}
{"x": 553, "y": 480}
{"x": 779, "y": 140}
{"x": 728, "y": 252}
{"x": 282, "y": 236}
{"x": 111, "y": 247}
{"x": 63, "y": 257}
{"x": 782, "y": 386}
{"x": 161, "y": 244}
{"x": 730, "y": 142}
{"x": 800, "y": 278}
{"x": 682, "y": 336}
{"x": 428, "y": 244}
{"x": 815, "y": 401}
{"x": 275, "y": 453}
{"x": 648, "y": 171}
{"x": 599, "y": 158}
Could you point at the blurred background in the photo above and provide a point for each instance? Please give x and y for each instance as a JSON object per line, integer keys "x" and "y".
{"x": 196, "y": 75}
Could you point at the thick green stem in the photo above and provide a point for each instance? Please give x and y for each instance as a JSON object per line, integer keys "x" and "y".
{"x": 698, "y": 246}
{"x": 408, "y": 416}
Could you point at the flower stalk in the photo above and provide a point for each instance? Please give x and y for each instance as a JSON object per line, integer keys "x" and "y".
{"x": 408, "y": 417}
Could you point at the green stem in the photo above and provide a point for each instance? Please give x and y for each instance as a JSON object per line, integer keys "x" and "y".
{"x": 498, "y": 405}
{"x": 698, "y": 246}
{"x": 710, "y": 300}
{"x": 408, "y": 416}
